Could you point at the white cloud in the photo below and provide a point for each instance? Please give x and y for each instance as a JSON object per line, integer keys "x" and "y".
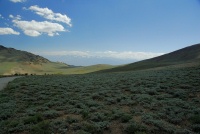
{"x": 50, "y": 15}
{"x": 11, "y": 16}
{"x": 129, "y": 55}
{"x": 1, "y": 17}
{"x": 18, "y": 17}
{"x": 16, "y": 1}
{"x": 5, "y": 31}
{"x": 35, "y": 28}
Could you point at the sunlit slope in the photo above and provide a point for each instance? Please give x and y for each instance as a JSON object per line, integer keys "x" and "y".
{"x": 186, "y": 56}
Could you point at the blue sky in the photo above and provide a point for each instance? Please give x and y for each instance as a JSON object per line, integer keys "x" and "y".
{"x": 86, "y": 32}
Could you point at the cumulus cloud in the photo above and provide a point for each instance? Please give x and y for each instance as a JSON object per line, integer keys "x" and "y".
{"x": 50, "y": 15}
{"x": 34, "y": 28}
{"x": 16, "y": 1}
{"x": 6, "y": 31}
{"x": 129, "y": 55}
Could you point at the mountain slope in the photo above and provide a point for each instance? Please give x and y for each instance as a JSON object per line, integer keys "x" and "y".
{"x": 186, "y": 55}
{"x": 13, "y": 55}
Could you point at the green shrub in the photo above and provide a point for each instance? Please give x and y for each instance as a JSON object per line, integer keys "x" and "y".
{"x": 13, "y": 124}
{"x": 125, "y": 118}
{"x": 82, "y": 132}
{"x": 102, "y": 125}
{"x": 134, "y": 128}
{"x": 116, "y": 114}
{"x": 85, "y": 114}
{"x": 96, "y": 117}
{"x": 91, "y": 128}
{"x": 59, "y": 126}
{"x": 76, "y": 126}
{"x": 7, "y": 108}
{"x": 196, "y": 128}
{"x": 195, "y": 119}
{"x": 51, "y": 114}
{"x": 71, "y": 120}
{"x": 33, "y": 119}
{"x": 41, "y": 128}
{"x": 97, "y": 127}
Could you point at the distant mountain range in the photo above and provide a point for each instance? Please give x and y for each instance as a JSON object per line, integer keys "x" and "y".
{"x": 14, "y": 62}
{"x": 186, "y": 56}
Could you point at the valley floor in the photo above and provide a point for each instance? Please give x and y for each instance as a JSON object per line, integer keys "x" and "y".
{"x": 143, "y": 102}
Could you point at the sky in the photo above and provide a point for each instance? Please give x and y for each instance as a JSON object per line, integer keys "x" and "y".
{"x": 87, "y": 32}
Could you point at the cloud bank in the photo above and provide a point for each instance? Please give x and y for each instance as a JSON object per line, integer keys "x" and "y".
{"x": 126, "y": 55}
{"x": 6, "y": 31}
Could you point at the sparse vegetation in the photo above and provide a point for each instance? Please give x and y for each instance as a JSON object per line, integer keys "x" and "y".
{"x": 143, "y": 102}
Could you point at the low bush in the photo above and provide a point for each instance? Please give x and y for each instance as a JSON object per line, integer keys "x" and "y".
{"x": 50, "y": 114}
{"x": 41, "y": 128}
{"x": 85, "y": 114}
{"x": 97, "y": 117}
{"x": 196, "y": 128}
{"x": 125, "y": 118}
{"x": 134, "y": 128}
{"x": 33, "y": 119}
{"x": 59, "y": 126}
{"x": 195, "y": 119}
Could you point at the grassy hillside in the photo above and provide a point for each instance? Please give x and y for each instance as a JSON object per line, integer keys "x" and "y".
{"x": 183, "y": 56}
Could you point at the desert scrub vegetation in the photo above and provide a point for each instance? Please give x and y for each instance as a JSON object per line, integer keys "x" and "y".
{"x": 143, "y": 102}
